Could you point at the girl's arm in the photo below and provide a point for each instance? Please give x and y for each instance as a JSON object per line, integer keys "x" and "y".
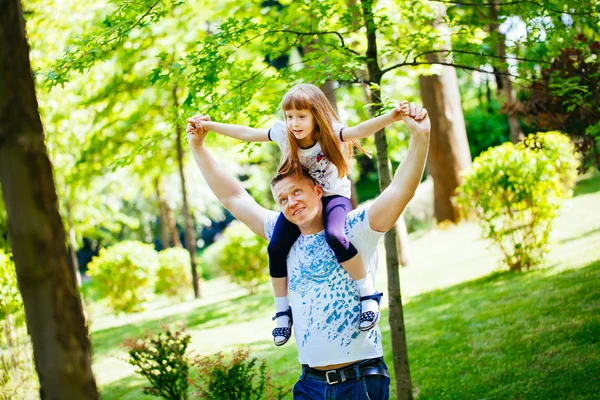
{"x": 239, "y": 132}
{"x": 368, "y": 128}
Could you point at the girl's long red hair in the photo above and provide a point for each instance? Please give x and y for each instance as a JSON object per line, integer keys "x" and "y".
{"x": 310, "y": 97}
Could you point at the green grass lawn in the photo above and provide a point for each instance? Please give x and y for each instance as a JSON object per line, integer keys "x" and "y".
{"x": 473, "y": 330}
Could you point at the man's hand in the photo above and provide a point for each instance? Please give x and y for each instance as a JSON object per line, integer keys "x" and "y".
{"x": 196, "y": 120}
{"x": 417, "y": 121}
{"x": 400, "y": 111}
{"x": 195, "y": 130}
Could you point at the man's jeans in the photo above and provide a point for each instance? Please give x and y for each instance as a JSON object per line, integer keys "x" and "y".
{"x": 372, "y": 387}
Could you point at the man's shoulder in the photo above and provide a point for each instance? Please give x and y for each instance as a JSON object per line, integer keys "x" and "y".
{"x": 357, "y": 218}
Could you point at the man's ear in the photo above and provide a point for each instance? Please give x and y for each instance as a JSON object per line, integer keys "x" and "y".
{"x": 318, "y": 190}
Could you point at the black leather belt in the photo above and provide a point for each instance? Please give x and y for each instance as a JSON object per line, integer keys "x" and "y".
{"x": 373, "y": 366}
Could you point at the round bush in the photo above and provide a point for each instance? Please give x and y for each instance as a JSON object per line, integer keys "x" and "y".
{"x": 173, "y": 275}
{"x": 515, "y": 192}
{"x": 241, "y": 255}
{"x": 124, "y": 273}
{"x": 560, "y": 151}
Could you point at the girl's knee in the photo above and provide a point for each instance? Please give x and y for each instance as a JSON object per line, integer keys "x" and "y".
{"x": 275, "y": 249}
{"x": 336, "y": 240}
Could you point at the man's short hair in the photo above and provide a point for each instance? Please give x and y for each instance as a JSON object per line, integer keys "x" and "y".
{"x": 292, "y": 172}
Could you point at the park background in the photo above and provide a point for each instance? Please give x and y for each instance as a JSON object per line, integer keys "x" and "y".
{"x": 115, "y": 82}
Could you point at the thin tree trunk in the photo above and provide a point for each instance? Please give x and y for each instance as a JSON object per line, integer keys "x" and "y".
{"x": 190, "y": 238}
{"x": 396, "y": 313}
{"x": 173, "y": 227}
{"x": 55, "y": 320}
{"x": 163, "y": 219}
{"x": 401, "y": 241}
{"x": 504, "y": 82}
{"x": 329, "y": 90}
{"x": 449, "y": 152}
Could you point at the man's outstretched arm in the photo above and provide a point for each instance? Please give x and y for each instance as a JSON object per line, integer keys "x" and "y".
{"x": 388, "y": 206}
{"x": 228, "y": 189}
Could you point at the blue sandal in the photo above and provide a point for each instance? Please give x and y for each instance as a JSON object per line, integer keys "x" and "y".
{"x": 370, "y": 316}
{"x": 285, "y": 332}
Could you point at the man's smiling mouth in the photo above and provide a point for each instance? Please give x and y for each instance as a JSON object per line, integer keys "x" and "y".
{"x": 299, "y": 211}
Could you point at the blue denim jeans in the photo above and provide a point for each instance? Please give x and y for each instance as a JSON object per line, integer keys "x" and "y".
{"x": 372, "y": 387}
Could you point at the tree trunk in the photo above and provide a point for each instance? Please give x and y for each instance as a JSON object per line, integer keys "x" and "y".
{"x": 449, "y": 152}
{"x": 396, "y": 313}
{"x": 53, "y": 309}
{"x": 402, "y": 241}
{"x": 173, "y": 227}
{"x": 163, "y": 219}
{"x": 505, "y": 85}
{"x": 190, "y": 238}
{"x": 329, "y": 90}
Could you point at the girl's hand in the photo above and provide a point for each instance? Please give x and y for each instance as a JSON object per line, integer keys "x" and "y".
{"x": 417, "y": 121}
{"x": 196, "y": 121}
{"x": 195, "y": 131}
{"x": 400, "y": 111}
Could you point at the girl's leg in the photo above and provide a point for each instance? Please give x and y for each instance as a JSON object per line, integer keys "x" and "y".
{"x": 284, "y": 235}
{"x": 335, "y": 209}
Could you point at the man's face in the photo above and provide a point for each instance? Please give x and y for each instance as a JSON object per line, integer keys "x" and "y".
{"x": 299, "y": 200}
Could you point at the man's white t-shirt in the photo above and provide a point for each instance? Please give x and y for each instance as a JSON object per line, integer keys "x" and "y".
{"x": 323, "y": 171}
{"x": 324, "y": 298}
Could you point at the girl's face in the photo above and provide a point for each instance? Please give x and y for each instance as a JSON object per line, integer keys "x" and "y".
{"x": 302, "y": 125}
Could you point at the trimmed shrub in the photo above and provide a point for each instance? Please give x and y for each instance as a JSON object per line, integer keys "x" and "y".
{"x": 161, "y": 358}
{"x": 515, "y": 192}
{"x": 561, "y": 152}
{"x": 242, "y": 255}
{"x": 173, "y": 275}
{"x": 124, "y": 273}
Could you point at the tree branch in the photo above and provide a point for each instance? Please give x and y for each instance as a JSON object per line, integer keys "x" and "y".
{"x": 479, "y": 54}
{"x": 136, "y": 23}
{"x": 315, "y": 34}
{"x": 515, "y": 2}
{"x": 242, "y": 83}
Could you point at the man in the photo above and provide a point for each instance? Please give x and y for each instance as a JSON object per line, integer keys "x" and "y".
{"x": 338, "y": 360}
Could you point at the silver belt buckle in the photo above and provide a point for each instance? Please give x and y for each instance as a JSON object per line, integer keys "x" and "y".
{"x": 327, "y": 377}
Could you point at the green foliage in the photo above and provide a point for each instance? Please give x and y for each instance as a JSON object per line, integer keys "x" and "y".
{"x": 485, "y": 129}
{"x": 240, "y": 254}
{"x": 565, "y": 98}
{"x": 124, "y": 273}
{"x": 241, "y": 378}
{"x": 173, "y": 274}
{"x": 11, "y": 302}
{"x": 515, "y": 192}
{"x": 3, "y": 225}
{"x": 162, "y": 360}
{"x": 112, "y": 32}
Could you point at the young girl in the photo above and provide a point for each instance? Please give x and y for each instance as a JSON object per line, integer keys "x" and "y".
{"x": 312, "y": 138}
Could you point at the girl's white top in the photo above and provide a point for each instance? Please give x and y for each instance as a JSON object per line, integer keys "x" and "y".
{"x": 323, "y": 171}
